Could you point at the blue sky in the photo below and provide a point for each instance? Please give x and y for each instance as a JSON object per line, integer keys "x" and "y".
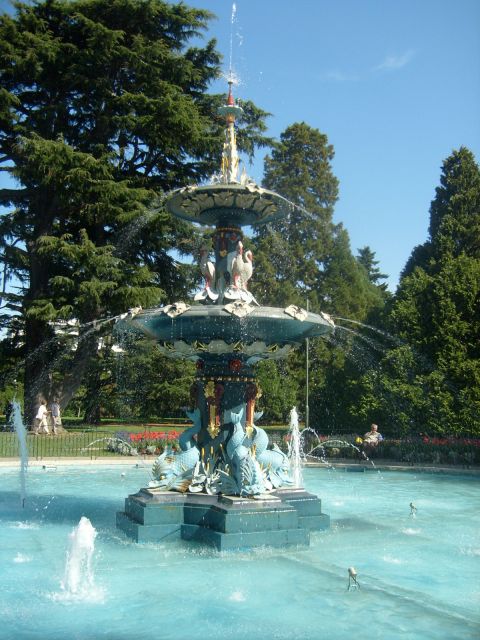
{"x": 395, "y": 85}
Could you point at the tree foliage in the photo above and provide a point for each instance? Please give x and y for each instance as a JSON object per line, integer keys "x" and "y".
{"x": 292, "y": 252}
{"x": 103, "y": 108}
{"x": 366, "y": 257}
{"x": 432, "y": 382}
{"x": 306, "y": 259}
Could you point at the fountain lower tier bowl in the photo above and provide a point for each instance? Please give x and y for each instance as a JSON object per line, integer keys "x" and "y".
{"x": 263, "y": 333}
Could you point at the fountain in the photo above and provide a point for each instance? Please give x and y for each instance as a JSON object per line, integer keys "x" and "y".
{"x": 225, "y": 487}
{"x": 295, "y": 453}
{"x": 21, "y": 433}
{"x": 79, "y": 579}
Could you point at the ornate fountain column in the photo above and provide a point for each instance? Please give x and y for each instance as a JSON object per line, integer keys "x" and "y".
{"x": 226, "y": 333}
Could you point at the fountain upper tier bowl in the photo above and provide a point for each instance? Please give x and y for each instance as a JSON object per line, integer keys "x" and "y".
{"x": 262, "y": 332}
{"x": 233, "y": 203}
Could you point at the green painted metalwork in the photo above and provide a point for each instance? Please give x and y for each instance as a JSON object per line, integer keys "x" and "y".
{"x": 226, "y": 333}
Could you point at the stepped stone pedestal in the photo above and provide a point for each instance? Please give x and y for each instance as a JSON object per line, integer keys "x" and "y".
{"x": 280, "y": 519}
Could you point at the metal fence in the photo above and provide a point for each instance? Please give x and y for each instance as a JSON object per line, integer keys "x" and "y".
{"x": 86, "y": 444}
{"x": 80, "y": 444}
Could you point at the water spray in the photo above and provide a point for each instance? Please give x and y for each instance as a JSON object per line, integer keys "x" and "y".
{"x": 79, "y": 579}
{"x": 295, "y": 449}
{"x": 232, "y": 22}
{"x": 21, "y": 434}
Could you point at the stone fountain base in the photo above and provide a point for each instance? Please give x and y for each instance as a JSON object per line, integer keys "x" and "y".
{"x": 282, "y": 518}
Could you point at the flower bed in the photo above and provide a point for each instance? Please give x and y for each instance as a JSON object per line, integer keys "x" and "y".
{"x": 147, "y": 442}
{"x": 456, "y": 451}
{"x": 462, "y": 451}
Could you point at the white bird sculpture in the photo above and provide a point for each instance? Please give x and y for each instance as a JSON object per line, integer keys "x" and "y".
{"x": 207, "y": 269}
{"x": 242, "y": 269}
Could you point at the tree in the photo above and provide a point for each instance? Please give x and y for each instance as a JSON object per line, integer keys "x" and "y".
{"x": 291, "y": 252}
{"x": 366, "y": 257}
{"x": 277, "y": 397}
{"x": 306, "y": 257}
{"x": 103, "y": 108}
{"x": 454, "y": 214}
{"x": 346, "y": 288}
{"x": 436, "y": 312}
{"x": 139, "y": 392}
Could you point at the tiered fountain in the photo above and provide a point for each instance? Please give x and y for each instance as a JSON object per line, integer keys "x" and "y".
{"x": 226, "y": 487}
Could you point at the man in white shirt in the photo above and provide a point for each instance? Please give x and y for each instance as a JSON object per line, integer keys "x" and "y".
{"x": 41, "y": 425}
{"x": 371, "y": 439}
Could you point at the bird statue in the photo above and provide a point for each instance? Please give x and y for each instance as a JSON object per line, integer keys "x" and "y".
{"x": 236, "y": 264}
{"x": 207, "y": 269}
{"x": 247, "y": 268}
{"x": 242, "y": 269}
{"x": 231, "y": 257}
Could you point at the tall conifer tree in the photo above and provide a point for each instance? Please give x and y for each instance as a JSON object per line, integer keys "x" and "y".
{"x": 437, "y": 307}
{"x": 432, "y": 382}
{"x": 103, "y": 106}
{"x": 307, "y": 257}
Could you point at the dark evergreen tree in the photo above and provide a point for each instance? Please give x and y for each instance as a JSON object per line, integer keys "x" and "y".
{"x": 103, "y": 107}
{"x": 366, "y": 257}
{"x": 277, "y": 397}
{"x": 139, "y": 390}
{"x": 432, "y": 382}
{"x": 306, "y": 258}
{"x": 292, "y": 252}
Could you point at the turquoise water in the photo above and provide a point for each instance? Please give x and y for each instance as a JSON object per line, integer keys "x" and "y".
{"x": 419, "y": 576}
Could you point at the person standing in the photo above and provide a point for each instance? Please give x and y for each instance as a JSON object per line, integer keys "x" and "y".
{"x": 41, "y": 425}
{"x": 56, "y": 416}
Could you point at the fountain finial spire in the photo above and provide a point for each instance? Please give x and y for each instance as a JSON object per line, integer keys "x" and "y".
{"x": 230, "y": 159}
{"x": 230, "y": 99}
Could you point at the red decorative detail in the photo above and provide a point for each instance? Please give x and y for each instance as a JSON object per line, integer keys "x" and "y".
{"x": 235, "y": 365}
{"x": 230, "y": 100}
{"x": 200, "y": 364}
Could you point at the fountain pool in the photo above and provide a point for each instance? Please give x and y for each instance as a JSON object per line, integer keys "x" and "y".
{"x": 418, "y": 575}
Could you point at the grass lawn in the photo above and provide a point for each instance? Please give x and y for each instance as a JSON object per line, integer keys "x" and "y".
{"x": 91, "y": 441}
{"x": 65, "y": 445}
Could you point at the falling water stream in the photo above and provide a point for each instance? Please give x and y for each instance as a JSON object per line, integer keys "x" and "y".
{"x": 295, "y": 449}
{"x": 21, "y": 433}
{"x": 232, "y": 22}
